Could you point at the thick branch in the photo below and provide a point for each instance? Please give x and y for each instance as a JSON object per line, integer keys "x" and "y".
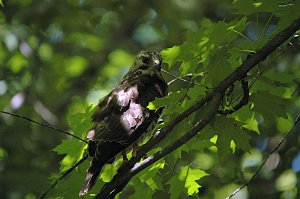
{"x": 130, "y": 169}
{"x": 125, "y": 177}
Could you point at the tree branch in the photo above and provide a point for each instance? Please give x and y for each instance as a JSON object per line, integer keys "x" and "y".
{"x": 241, "y": 103}
{"x": 127, "y": 171}
{"x": 121, "y": 178}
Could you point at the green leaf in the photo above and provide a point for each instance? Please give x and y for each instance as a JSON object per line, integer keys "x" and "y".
{"x": 186, "y": 53}
{"x": 70, "y": 186}
{"x": 73, "y": 149}
{"x": 197, "y": 144}
{"x": 218, "y": 68}
{"x": 229, "y": 130}
{"x": 247, "y": 116}
{"x": 140, "y": 190}
{"x": 284, "y": 125}
{"x": 108, "y": 172}
{"x": 279, "y": 83}
{"x": 268, "y": 105}
{"x": 287, "y": 13}
{"x": 81, "y": 122}
{"x": 247, "y": 7}
{"x": 170, "y": 102}
{"x": 170, "y": 55}
{"x": 200, "y": 47}
{"x": 176, "y": 186}
{"x": 69, "y": 147}
{"x": 152, "y": 170}
{"x": 155, "y": 183}
{"x": 190, "y": 183}
{"x": 187, "y": 178}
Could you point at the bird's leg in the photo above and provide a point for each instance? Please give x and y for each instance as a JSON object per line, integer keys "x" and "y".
{"x": 125, "y": 163}
{"x": 124, "y": 155}
{"x": 135, "y": 148}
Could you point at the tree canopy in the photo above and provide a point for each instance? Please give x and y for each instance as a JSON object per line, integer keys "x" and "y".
{"x": 230, "y": 114}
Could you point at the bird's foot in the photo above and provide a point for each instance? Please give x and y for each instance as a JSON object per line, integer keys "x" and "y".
{"x": 135, "y": 149}
{"x": 124, "y": 155}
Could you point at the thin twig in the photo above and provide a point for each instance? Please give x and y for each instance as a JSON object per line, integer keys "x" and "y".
{"x": 265, "y": 160}
{"x": 266, "y": 25}
{"x": 176, "y": 78}
{"x": 43, "y": 125}
{"x": 184, "y": 80}
{"x": 63, "y": 175}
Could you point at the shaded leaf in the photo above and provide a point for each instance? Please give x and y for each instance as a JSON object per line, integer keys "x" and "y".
{"x": 228, "y": 130}
{"x": 268, "y": 105}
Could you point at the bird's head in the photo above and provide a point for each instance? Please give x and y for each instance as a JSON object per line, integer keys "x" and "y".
{"x": 146, "y": 60}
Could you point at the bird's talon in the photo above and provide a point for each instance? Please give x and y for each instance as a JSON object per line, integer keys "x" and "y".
{"x": 124, "y": 155}
{"x": 135, "y": 149}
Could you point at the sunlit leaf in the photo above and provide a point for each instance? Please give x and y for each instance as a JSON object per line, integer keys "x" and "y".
{"x": 187, "y": 178}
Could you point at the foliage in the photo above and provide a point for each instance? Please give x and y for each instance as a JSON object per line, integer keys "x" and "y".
{"x": 54, "y": 63}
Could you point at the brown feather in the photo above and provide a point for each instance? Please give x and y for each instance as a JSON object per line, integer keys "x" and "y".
{"x": 122, "y": 116}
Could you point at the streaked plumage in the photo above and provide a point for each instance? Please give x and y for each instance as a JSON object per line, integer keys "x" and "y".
{"x": 122, "y": 116}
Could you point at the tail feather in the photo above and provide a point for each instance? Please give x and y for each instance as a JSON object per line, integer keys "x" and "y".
{"x": 89, "y": 182}
{"x": 102, "y": 153}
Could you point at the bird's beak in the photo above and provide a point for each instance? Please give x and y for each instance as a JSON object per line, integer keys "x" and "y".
{"x": 157, "y": 64}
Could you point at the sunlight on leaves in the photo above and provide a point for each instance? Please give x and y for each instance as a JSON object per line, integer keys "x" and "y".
{"x": 187, "y": 178}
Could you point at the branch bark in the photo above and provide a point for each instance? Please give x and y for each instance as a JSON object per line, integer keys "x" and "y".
{"x": 124, "y": 176}
{"x": 127, "y": 171}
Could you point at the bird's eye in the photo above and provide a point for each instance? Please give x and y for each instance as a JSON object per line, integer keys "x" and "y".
{"x": 146, "y": 60}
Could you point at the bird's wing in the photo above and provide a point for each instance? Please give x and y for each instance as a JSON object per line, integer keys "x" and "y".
{"x": 121, "y": 112}
{"x": 117, "y": 115}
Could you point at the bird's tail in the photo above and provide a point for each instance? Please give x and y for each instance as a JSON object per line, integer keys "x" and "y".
{"x": 89, "y": 182}
{"x": 104, "y": 153}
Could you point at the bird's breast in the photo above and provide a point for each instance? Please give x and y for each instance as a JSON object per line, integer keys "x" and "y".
{"x": 132, "y": 118}
{"x": 126, "y": 96}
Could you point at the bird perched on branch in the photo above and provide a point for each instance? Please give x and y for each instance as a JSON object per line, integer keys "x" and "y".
{"x": 122, "y": 116}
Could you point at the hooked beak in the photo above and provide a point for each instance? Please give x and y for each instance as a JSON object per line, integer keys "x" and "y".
{"x": 157, "y": 64}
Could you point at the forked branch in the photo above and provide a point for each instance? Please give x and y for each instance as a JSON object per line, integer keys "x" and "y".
{"x": 129, "y": 170}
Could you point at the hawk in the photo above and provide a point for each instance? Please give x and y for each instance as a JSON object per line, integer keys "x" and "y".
{"x": 122, "y": 116}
